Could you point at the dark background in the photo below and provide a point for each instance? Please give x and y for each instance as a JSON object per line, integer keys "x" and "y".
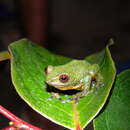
{"x": 73, "y": 28}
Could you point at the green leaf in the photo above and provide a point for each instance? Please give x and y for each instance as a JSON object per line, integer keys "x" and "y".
{"x": 28, "y": 62}
{"x": 116, "y": 115}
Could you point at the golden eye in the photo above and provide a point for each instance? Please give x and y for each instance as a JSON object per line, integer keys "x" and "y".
{"x": 64, "y": 78}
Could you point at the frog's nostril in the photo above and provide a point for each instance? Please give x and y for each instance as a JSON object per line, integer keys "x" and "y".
{"x": 50, "y": 81}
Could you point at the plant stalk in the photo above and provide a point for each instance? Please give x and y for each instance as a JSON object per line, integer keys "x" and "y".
{"x": 17, "y": 122}
{"x": 4, "y": 55}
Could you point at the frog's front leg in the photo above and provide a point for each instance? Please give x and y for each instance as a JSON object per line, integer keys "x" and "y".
{"x": 86, "y": 88}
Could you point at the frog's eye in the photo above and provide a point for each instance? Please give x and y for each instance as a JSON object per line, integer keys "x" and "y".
{"x": 64, "y": 78}
{"x": 48, "y": 69}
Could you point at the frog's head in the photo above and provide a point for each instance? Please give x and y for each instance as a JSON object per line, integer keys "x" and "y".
{"x": 63, "y": 77}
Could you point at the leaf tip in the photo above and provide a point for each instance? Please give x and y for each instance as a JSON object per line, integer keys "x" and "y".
{"x": 110, "y": 42}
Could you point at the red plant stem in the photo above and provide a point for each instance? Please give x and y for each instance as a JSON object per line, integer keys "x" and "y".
{"x": 17, "y": 122}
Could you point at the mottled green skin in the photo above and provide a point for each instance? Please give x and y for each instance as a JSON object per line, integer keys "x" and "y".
{"x": 81, "y": 74}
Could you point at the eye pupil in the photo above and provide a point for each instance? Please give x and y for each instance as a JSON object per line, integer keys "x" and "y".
{"x": 64, "y": 78}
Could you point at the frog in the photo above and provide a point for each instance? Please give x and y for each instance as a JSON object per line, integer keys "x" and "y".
{"x": 75, "y": 75}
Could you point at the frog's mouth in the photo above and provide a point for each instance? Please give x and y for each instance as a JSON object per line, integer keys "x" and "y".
{"x": 77, "y": 87}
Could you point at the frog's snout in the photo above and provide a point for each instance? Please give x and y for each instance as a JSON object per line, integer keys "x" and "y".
{"x": 50, "y": 81}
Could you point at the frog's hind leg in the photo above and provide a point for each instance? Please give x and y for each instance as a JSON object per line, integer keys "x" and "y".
{"x": 97, "y": 82}
{"x": 97, "y": 79}
{"x": 91, "y": 84}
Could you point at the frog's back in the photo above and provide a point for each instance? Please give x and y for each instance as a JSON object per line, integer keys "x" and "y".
{"x": 79, "y": 66}
{"x": 78, "y": 63}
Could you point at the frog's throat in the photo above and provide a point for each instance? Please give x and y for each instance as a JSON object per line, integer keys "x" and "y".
{"x": 77, "y": 87}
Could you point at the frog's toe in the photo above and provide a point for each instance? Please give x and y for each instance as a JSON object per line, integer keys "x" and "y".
{"x": 63, "y": 101}
{"x": 76, "y": 102}
{"x": 93, "y": 84}
{"x": 50, "y": 98}
{"x": 101, "y": 84}
{"x": 66, "y": 95}
{"x": 69, "y": 99}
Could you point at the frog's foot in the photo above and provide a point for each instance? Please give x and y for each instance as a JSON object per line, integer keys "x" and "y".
{"x": 101, "y": 84}
{"x": 50, "y": 98}
{"x": 67, "y": 100}
{"x": 96, "y": 83}
{"x": 93, "y": 84}
{"x": 74, "y": 100}
{"x": 57, "y": 96}
{"x": 95, "y": 87}
{"x": 63, "y": 100}
{"x": 54, "y": 95}
{"x": 79, "y": 95}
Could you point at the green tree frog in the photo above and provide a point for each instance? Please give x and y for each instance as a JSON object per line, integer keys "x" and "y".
{"x": 74, "y": 75}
